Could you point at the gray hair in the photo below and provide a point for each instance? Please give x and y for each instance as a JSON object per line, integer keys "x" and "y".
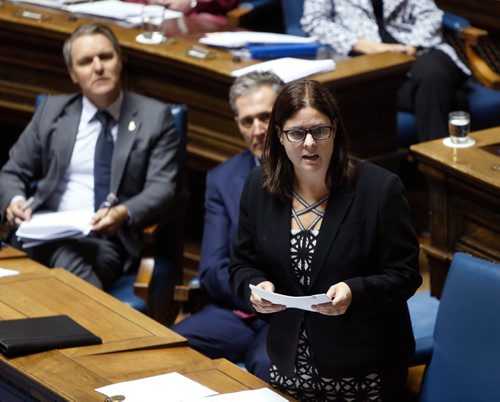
{"x": 89, "y": 29}
{"x": 250, "y": 82}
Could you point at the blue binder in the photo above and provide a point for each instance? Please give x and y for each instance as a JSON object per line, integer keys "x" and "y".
{"x": 282, "y": 50}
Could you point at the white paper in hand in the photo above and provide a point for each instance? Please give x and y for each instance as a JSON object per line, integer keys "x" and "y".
{"x": 300, "y": 302}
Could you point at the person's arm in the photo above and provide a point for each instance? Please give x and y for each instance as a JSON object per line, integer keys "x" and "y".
{"x": 243, "y": 269}
{"x": 207, "y": 6}
{"x": 20, "y": 170}
{"x": 397, "y": 253}
{"x": 215, "y": 250}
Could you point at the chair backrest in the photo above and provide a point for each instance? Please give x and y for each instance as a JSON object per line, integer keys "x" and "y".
{"x": 292, "y": 13}
{"x": 465, "y": 364}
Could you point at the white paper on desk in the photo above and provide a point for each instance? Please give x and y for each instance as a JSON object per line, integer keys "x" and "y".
{"x": 253, "y": 395}
{"x": 289, "y": 68}
{"x": 240, "y": 39}
{"x": 47, "y": 226}
{"x": 59, "y": 4}
{"x": 300, "y": 302}
{"x": 117, "y": 10}
{"x": 170, "y": 387}
{"x": 8, "y": 272}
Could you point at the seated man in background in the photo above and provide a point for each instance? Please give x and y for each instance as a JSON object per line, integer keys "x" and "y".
{"x": 102, "y": 150}
{"x": 227, "y": 328}
{"x": 404, "y": 26}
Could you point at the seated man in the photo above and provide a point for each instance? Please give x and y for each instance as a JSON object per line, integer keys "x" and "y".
{"x": 85, "y": 149}
{"x": 227, "y": 328}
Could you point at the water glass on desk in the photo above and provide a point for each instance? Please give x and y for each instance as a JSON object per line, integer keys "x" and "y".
{"x": 459, "y": 127}
{"x": 153, "y": 17}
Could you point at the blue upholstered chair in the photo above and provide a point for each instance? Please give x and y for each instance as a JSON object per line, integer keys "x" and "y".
{"x": 482, "y": 92}
{"x": 423, "y": 312}
{"x": 151, "y": 289}
{"x": 465, "y": 362}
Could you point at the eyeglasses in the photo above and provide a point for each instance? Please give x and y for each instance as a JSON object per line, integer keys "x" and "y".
{"x": 248, "y": 121}
{"x": 319, "y": 133}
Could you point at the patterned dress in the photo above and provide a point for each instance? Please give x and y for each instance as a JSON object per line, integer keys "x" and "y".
{"x": 307, "y": 384}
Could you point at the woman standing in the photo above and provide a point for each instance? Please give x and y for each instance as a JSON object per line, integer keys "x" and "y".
{"x": 314, "y": 220}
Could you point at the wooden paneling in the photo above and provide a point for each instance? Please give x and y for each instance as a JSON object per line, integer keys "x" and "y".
{"x": 464, "y": 191}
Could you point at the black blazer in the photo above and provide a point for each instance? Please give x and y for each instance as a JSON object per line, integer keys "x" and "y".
{"x": 366, "y": 240}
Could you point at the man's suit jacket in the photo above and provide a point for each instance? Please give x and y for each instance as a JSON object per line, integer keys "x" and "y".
{"x": 366, "y": 240}
{"x": 224, "y": 185}
{"x": 144, "y": 166}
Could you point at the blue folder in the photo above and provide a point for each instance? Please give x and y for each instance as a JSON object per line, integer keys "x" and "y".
{"x": 282, "y": 50}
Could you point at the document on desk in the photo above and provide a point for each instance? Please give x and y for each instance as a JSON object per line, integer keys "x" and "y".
{"x": 118, "y": 10}
{"x": 300, "y": 302}
{"x": 289, "y": 68}
{"x": 48, "y": 226}
{"x": 8, "y": 272}
{"x": 253, "y": 395}
{"x": 171, "y": 387}
{"x": 243, "y": 38}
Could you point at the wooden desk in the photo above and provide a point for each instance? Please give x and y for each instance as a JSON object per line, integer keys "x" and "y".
{"x": 7, "y": 251}
{"x": 464, "y": 190}
{"x": 134, "y": 346}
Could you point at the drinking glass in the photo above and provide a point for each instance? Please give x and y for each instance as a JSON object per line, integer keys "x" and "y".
{"x": 459, "y": 127}
{"x": 152, "y": 23}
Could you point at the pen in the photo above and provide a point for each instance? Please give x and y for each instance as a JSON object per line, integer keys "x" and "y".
{"x": 27, "y": 204}
{"x": 110, "y": 201}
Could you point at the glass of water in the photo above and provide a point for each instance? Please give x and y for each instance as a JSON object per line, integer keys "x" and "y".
{"x": 459, "y": 127}
{"x": 152, "y": 23}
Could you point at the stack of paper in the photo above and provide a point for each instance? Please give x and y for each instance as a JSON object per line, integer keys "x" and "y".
{"x": 48, "y": 226}
{"x": 174, "y": 387}
{"x": 117, "y": 10}
{"x": 240, "y": 39}
{"x": 288, "y": 68}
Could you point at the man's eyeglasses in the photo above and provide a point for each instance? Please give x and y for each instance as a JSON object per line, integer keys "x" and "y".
{"x": 247, "y": 122}
{"x": 319, "y": 133}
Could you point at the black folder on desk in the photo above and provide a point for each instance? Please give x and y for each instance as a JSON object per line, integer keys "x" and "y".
{"x": 32, "y": 335}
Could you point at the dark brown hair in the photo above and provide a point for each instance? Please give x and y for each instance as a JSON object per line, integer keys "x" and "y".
{"x": 278, "y": 172}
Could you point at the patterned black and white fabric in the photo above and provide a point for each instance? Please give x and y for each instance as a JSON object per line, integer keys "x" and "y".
{"x": 307, "y": 384}
{"x": 340, "y": 23}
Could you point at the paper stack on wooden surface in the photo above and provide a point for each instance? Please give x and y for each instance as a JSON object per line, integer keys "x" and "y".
{"x": 118, "y": 10}
{"x": 240, "y": 39}
{"x": 48, "y": 226}
{"x": 289, "y": 68}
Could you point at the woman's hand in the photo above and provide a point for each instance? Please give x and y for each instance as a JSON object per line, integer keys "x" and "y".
{"x": 367, "y": 46}
{"x": 341, "y": 296}
{"x": 262, "y": 305}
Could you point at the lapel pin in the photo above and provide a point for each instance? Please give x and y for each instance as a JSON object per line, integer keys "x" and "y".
{"x": 132, "y": 126}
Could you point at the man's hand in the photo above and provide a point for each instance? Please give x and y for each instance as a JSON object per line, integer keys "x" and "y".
{"x": 341, "y": 296}
{"x": 15, "y": 213}
{"x": 108, "y": 220}
{"x": 262, "y": 305}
